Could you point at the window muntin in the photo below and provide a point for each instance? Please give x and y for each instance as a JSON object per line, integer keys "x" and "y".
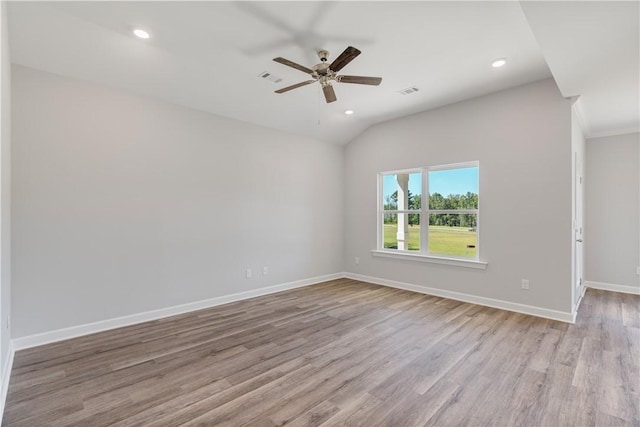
{"x": 451, "y": 209}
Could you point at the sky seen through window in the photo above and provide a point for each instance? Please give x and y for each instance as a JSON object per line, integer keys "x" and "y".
{"x": 445, "y": 182}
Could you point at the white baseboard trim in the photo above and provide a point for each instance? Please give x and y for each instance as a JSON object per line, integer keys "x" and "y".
{"x": 105, "y": 325}
{"x": 6, "y": 376}
{"x": 583, "y": 290}
{"x": 612, "y": 287}
{"x": 473, "y": 299}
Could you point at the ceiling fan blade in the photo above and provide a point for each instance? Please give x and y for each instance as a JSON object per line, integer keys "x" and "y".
{"x": 293, "y": 65}
{"x": 345, "y": 57}
{"x": 361, "y": 80}
{"x": 295, "y": 86}
{"x": 329, "y": 94}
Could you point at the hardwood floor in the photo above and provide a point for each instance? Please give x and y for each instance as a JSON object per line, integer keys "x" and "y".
{"x": 342, "y": 353}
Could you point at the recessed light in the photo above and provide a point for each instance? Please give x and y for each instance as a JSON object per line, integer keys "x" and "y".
{"x": 499, "y": 62}
{"x": 348, "y": 112}
{"x": 141, "y": 33}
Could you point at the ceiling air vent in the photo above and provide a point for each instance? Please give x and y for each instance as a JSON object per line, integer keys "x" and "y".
{"x": 267, "y": 75}
{"x": 408, "y": 90}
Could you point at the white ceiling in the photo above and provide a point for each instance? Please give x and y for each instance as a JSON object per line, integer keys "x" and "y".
{"x": 593, "y": 49}
{"x": 208, "y": 55}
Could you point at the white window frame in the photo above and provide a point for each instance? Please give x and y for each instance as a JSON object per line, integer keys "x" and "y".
{"x": 423, "y": 254}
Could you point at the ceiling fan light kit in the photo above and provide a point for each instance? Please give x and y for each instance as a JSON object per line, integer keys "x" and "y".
{"x": 326, "y": 74}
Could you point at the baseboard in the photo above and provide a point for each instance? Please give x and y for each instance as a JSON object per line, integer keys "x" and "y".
{"x": 105, "y": 325}
{"x": 81, "y": 330}
{"x": 612, "y": 287}
{"x": 583, "y": 289}
{"x": 6, "y": 376}
{"x": 473, "y": 299}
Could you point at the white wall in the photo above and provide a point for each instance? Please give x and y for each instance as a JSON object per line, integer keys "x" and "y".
{"x": 123, "y": 204}
{"x": 612, "y": 198}
{"x": 5, "y": 198}
{"x": 522, "y": 138}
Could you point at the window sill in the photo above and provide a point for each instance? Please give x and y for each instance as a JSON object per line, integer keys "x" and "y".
{"x": 467, "y": 263}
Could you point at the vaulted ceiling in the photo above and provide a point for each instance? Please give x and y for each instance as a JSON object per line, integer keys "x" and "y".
{"x": 210, "y": 55}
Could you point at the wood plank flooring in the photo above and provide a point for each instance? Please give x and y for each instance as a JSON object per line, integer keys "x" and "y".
{"x": 342, "y": 353}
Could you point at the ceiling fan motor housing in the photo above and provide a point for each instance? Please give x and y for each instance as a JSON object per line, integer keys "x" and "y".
{"x": 323, "y": 55}
{"x": 326, "y": 73}
{"x": 322, "y": 69}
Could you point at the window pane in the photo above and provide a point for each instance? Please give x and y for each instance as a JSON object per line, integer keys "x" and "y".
{"x": 454, "y": 188}
{"x": 409, "y": 237}
{"x": 453, "y": 235}
{"x": 402, "y": 191}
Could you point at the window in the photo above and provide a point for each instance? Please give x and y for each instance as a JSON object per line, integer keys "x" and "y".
{"x": 443, "y": 224}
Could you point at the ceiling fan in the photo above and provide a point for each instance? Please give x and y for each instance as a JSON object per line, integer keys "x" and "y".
{"x": 327, "y": 73}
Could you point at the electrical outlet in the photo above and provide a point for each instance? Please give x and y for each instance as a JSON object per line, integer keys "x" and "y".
{"x": 357, "y": 260}
{"x": 265, "y": 271}
{"x": 525, "y": 284}
{"x": 249, "y": 274}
